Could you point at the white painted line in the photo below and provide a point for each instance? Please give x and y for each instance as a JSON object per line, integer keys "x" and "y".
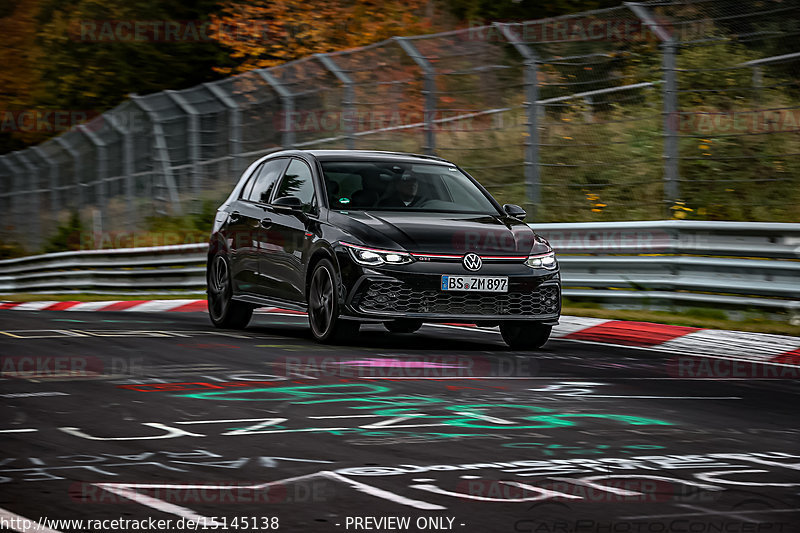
{"x": 385, "y": 494}
{"x": 157, "y": 504}
{"x": 224, "y": 421}
{"x": 30, "y": 430}
{"x": 215, "y": 487}
{"x": 60, "y": 333}
{"x": 10, "y": 518}
{"x": 487, "y": 418}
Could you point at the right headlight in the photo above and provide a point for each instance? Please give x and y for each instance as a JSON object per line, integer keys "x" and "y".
{"x": 546, "y": 261}
{"x": 374, "y": 257}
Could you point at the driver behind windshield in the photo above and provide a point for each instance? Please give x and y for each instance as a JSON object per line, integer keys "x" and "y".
{"x": 405, "y": 192}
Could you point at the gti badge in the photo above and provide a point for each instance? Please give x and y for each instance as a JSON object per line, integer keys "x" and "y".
{"x": 472, "y": 262}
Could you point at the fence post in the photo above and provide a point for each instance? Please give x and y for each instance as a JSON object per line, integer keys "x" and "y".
{"x": 16, "y": 205}
{"x": 8, "y": 204}
{"x": 102, "y": 174}
{"x": 77, "y": 168}
{"x": 287, "y": 98}
{"x": 348, "y": 99}
{"x": 533, "y": 177}
{"x": 671, "y": 119}
{"x": 235, "y": 125}
{"x": 127, "y": 166}
{"x": 54, "y": 188}
{"x": 162, "y": 152}
{"x": 192, "y": 139}
{"x": 33, "y": 210}
{"x": 429, "y": 91}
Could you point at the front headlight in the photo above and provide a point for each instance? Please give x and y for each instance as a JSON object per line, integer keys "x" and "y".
{"x": 374, "y": 257}
{"x": 547, "y": 261}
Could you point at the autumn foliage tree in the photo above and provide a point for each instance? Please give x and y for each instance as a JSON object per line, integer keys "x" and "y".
{"x": 265, "y": 33}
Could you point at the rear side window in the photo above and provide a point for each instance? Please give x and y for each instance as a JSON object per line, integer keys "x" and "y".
{"x": 248, "y": 187}
{"x": 265, "y": 180}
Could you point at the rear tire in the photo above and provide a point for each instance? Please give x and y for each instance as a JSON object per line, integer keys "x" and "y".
{"x": 324, "y": 307}
{"x": 525, "y": 335}
{"x": 403, "y": 325}
{"x": 222, "y": 309}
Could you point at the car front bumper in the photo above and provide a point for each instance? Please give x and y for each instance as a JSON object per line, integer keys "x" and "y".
{"x": 414, "y": 291}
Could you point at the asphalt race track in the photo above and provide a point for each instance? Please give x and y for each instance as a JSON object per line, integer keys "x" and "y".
{"x": 135, "y": 416}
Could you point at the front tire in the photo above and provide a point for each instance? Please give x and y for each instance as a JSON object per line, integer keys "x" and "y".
{"x": 222, "y": 309}
{"x": 324, "y": 306}
{"x": 525, "y": 336}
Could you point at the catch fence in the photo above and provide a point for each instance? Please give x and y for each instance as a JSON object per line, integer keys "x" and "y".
{"x": 684, "y": 108}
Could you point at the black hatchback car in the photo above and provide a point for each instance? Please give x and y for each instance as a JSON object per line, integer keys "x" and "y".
{"x": 394, "y": 238}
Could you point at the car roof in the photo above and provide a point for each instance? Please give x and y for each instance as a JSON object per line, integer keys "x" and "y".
{"x": 368, "y": 155}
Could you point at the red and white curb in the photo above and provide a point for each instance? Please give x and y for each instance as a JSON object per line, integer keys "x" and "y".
{"x": 733, "y": 345}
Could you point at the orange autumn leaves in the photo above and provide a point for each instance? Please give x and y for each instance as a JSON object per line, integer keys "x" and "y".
{"x": 265, "y": 33}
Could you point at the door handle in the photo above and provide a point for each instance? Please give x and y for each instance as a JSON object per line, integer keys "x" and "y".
{"x": 266, "y": 222}
{"x": 236, "y": 216}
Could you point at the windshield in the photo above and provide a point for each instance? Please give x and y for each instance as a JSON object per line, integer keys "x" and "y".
{"x": 393, "y": 186}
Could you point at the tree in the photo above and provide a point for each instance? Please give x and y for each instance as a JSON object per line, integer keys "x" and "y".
{"x": 88, "y": 63}
{"x": 17, "y": 77}
{"x": 265, "y": 33}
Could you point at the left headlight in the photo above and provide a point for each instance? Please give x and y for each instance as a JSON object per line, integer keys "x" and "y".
{"x": 375, "y": 257}
{"x": 547, "y": 261}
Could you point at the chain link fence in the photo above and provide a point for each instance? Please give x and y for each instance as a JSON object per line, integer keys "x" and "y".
{"x": 679, "y": 108}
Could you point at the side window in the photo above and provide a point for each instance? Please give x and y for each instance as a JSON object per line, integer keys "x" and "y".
{"x": 263, "y": 184}
{"x": 298, "y": 182}
{"x": 245, "y": 192}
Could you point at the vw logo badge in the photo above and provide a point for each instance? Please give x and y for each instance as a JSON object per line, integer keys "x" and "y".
{"x": 472, "y": 262}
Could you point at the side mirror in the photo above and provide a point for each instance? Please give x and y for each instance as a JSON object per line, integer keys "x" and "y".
{"x": 291, "y": 203}
{"x": 515, "y": 211}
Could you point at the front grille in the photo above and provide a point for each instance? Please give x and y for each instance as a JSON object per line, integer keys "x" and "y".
{"x": 387, "y": 296}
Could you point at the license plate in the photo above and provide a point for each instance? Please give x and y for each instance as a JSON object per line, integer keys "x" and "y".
{"x": 475, "y": 283}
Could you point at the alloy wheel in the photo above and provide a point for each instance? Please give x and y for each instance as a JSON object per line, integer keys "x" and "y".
{"x": 321, "y": 301}
{"x": 219, "y": 288}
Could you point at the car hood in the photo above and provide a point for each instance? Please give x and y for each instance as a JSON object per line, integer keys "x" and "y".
{"x": 442, "y": 233}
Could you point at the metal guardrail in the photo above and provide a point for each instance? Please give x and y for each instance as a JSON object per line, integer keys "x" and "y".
{"x": 641, "y": 264}
{"x": 146, "y": 270}
{"x": 677, "y": 263}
